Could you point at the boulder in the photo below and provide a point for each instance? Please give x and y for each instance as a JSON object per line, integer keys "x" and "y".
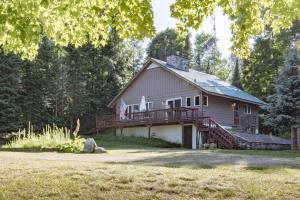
{"x": 100, "y": 150}
{"x": 90, "y": 145}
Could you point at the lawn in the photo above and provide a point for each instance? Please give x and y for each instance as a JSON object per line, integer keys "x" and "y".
{"x": 135, "y": 168}
{"x": 271, "y": 153}
{"x": 154, "y": 173}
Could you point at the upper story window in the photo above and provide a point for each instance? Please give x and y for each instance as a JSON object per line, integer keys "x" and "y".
{"x": 149, "y": 105}
{"x": 136, "y": 108}
{"x": 197, "y": 100}
{"x": 188, "y": 102}
{"x": 248, "y": 109}
{"x": 205, "y": 100}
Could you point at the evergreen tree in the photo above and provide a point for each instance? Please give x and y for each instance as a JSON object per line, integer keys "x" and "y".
{"x": 10, "y": 110}
{"x": 262, "y": 67}
{"x": 284, "y": 105}
{"x": 207, "y": 57}
{"x": 236, "y": 78}
{"x": 37, "y": 88}
{"x": 168, "y": 43}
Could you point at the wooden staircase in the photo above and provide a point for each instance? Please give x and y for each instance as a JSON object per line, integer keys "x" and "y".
{"x": 216, "y": 133}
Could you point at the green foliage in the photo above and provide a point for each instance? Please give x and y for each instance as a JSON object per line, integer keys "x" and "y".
{"x": 112, "y": 141}
{"x": 248, "y": 18}
{"x": 207, "y": 57}
{"x": 90, "y": 21}
{"x": 284, "y": 108}
{"x": 10, "y": 109}
{"x": 236, "y": 78}
{"x": 51, "y": 137}
{"x": 168, "y": 43}
{"x": 64, "y": 83}
{"x": 262, "y": 67}
{"x": 71, "y": 22}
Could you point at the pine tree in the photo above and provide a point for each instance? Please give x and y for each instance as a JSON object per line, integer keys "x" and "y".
{"x": 285, "y": 103}
{"x": 236, "y": 78}
{"x": 207, "y": 57}
{"x": 168, "y": 43}
{"x": 10, "y": 110}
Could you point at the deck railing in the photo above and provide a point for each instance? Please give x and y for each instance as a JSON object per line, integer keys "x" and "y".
{"x": 171, "y": 115}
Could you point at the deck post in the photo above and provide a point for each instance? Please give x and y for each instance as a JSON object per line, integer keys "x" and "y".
{"x": 149, "y": 131}
{"x": 121, "y": 128}
{"x": 182, "y": 133}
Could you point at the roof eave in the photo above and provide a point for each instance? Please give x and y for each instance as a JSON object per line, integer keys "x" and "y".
{"x": 113, "y": 101}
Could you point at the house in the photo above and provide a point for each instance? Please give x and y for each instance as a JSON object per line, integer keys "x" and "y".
{"x": 183, "y": 106}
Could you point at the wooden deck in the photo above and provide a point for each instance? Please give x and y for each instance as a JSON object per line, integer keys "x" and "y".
{"x": 216, "y": 133}
{"x": 149, "y": 118}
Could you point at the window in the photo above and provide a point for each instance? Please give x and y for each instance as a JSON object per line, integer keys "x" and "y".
{"x": 149, "y": 105}
{"x": 175, "y": 102}
{"x": 188, "y": 102}
{"x": 248, "y": 109}
{"x": 129, "y": 109}
{"x": 205, "y": 100}
{"x": 136, "y": 108}
{"x": 197, "y": 100}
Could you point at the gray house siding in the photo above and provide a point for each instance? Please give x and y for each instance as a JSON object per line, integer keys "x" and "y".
{"x": 220, "y": 109}
{"x": 158, "y": 85}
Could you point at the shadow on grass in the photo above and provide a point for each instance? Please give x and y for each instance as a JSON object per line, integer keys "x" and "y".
{"x": 189, "y": 166}
{"x": 270, "y": 169}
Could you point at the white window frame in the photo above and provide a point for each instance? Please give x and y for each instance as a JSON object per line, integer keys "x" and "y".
{"x": 147, "y": 105}
{"x": 206, "y": 100}
{"x": 248, "y": 109}
{"x": 173, "y": 99}
{"x": 190, "y": 101}
{"x": 195, "y": 100}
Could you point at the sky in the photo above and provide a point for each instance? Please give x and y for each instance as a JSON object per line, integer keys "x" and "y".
{"x": 163, "y": 20}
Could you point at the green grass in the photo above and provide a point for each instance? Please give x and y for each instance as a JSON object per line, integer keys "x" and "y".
{"x": 83, "y": 176}
{"x": 272, "y": 153}
{"x": 111, "y": 141}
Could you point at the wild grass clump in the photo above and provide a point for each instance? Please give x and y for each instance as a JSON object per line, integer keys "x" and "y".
{"x": 51, "y": 137}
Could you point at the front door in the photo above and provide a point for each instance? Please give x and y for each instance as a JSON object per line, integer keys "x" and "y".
{"x": 187, "y": 136}
{"x": 174, "y": 103}
{"x": 236, "y": 116}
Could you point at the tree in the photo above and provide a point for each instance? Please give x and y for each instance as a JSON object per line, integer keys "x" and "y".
{"x": 261, "y": 68}
{"x": 236, "y": 78}
{"x": 90, "y": 21}
{"x": 39, "y": 103}
{"x": 248, "y": 18}
{"x": 10, "y": 110}
{"x": 284, "y": 108}
{"x": 168, "y": 43}
{"x": 207, "y": 57}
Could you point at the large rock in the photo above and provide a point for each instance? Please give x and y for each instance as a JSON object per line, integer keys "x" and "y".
{"x": 90, "y": 145}
{"x": 100, "y": 150}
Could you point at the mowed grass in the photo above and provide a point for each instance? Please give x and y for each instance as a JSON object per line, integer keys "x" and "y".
{"x": 86, "y": 176}
{"x": 271, "y": 153}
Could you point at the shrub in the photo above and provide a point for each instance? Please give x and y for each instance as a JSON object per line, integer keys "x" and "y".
{"x": 51, "y": 137}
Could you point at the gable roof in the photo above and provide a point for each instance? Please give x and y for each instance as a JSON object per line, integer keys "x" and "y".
{"x": 208, "y": 83}
{"x": 212, "y": 84}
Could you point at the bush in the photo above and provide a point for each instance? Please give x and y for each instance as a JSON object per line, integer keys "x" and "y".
{"x": 51, "y": 137}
